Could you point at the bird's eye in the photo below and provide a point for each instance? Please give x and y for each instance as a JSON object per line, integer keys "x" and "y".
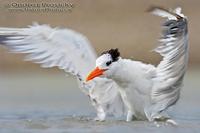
{"x": 108, "y": 63}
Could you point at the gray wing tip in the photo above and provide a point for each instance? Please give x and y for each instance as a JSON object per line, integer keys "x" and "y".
{"x": 152, "y": 9}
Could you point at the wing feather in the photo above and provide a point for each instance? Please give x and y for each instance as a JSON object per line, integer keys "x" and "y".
{"x": 51, "y": 47}
{"x": 174, "y": 49}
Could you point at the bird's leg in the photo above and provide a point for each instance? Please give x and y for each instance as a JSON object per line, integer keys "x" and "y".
{"x": 101, "y": 114}
{"x": 130, "y": 116}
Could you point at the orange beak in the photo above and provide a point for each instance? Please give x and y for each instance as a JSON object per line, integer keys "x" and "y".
{"x": 95, "y": 73}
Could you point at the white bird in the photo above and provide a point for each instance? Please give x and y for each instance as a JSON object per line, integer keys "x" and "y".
{"x": 148, "y": 91}
{"x": 144, "y": 90}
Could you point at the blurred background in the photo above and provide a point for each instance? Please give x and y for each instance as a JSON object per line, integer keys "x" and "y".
{"x": 107, "y": 24}
{"x": 122, "y": 24}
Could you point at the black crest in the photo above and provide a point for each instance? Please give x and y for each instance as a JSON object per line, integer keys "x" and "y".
{"x": 114, "y": 54}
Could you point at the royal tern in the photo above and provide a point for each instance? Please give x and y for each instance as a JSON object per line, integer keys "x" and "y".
{"x": 148, "y": 91}
{"x": 116, "y": 85}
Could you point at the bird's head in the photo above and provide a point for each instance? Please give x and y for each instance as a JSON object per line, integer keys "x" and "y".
{"x": 105, "y": 64}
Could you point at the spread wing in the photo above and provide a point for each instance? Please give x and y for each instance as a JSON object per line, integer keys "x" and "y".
{"x": 51, "y": 47}
{"x": 173, "y": 48}
{"x": 65, "y": 49}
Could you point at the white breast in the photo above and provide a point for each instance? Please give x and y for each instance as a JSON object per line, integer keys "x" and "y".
{"x": 135, "y": 85}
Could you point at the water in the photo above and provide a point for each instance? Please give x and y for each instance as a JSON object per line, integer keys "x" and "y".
{"x": 52, "y": 103}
